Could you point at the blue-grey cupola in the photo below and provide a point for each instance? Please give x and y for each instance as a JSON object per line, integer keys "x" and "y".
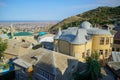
{"x": 80, "y": 37}
{"x": 85, "y": 25}
{"x": 58, "y": 34}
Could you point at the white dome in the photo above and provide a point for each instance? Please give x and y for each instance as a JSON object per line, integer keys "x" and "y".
{"x": 86, "y": 25}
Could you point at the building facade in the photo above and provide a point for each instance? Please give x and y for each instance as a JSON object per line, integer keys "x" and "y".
{"x": 116, "y": 45}
{"x": 82, "y": 41}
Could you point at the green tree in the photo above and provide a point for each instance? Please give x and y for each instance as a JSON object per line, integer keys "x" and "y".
{"x": 92, "y": 71}
{"x": 3, "y": 47}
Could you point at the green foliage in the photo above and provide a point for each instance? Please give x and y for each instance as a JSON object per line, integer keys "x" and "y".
{"x": 101, "y": 15}
{"x": 94, "y": 56}
{"x": 4, "y": 32}
{"x": 3, "y": 47}
{"x": 92, "y": 71}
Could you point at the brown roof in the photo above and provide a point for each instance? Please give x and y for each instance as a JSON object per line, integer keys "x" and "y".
{"x": 117, "y": 35}
{"x": 16, "y": 47}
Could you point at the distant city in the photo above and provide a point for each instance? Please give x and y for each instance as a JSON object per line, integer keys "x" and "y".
{"x": 28, "y": 25}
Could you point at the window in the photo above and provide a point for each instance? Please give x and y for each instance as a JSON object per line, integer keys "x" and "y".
{"x": 52, "y": 77}
{"x": 101, "y": 52}
{"x": 83, "y": 55}
{"x": 117, "y": 49}
{"x": 44, "y": 74}
{"x": 88, "y": 52}
{"x": 88, "y": 37}
{"x": 107, "y": 40}
{"x": 101, "y": 40}
{"x": 106, "y": 53}
{"x": 117, "y": 41}
{"x": 41, "y": 72}
{"x": 113, "y": 49}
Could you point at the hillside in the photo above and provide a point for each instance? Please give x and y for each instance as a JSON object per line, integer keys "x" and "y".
{"x": 100, "y": 15}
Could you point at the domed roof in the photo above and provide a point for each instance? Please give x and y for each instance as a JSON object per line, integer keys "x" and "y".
{"x": 86, "y": 25}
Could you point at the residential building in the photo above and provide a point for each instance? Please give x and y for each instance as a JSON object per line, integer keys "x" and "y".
{"x": 43, "y": 64}
{"x": 46, "y": 41}
{"x": 83, "y": 40}
{"x": 116, "y": 45}
{"x": 22, "y": 36}
{"x": 110, "y": 26}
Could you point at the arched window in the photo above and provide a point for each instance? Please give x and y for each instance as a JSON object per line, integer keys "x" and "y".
{"x": 107, "y": 40}
{"x": 101, "y": 52}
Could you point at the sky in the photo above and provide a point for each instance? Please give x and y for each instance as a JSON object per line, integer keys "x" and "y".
{"x": 48, "y": 9}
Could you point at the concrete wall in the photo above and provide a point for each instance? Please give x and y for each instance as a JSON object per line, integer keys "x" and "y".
{"x": 64, "y": 47}
{"x": 79, "y": 49}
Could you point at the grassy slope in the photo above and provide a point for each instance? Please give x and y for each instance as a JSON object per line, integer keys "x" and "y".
{"x": 100, "y": 15}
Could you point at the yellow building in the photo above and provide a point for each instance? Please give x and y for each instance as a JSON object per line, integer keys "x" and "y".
{"x": 82, "y": 41}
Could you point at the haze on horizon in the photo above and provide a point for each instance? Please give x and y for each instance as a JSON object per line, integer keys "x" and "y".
{"x": 48, "y": 9}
